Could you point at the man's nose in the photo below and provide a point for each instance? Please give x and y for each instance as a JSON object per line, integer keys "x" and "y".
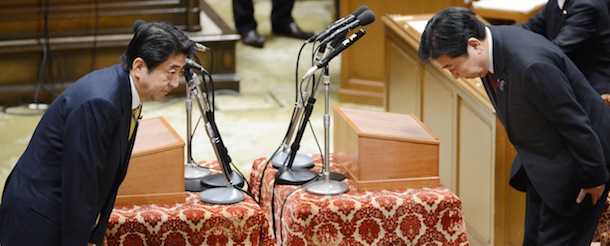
{"x": 175, "y": 82}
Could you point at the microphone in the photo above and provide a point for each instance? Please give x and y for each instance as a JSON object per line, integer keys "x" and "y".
{"x": 367, "y": 17}
{"x": 338, "y": 23}
{"x": 192, "y": 64}
{"x": 344, "y": 45}
{"x": 201, "y": 47}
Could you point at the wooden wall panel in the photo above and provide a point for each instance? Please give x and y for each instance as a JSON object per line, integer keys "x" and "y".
{"x": 76, "y": 47}
{"x": 26, "y": 19}
{"x": 362, "y": 65}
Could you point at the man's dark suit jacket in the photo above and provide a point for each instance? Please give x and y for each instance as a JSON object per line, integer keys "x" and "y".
{"x": 557, "y": 122}
{"x": 582, "y": 30}
{"x": 71, "y": 170}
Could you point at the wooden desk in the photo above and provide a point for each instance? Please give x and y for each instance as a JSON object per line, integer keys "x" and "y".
{"x": 475, "y": 154}
{"x": 506, "y": 10}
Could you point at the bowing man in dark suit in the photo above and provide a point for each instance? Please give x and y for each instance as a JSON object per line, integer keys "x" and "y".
{"x": 581, "y": 28}
{"x": 557, "y": 122}
{"x": 63, "y": 188}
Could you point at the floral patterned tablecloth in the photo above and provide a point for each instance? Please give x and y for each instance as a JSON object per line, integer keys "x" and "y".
{"x": 190, "y": 223}
{"x": 603, "y": 226}
{"x": 427, "y": 216}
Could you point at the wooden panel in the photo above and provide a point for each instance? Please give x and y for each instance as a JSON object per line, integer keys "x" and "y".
{"x": 72, "y": 57}
{"x": 365, "y": 60}
{"x": 475, "y": 174}
{"x": 26, "y": 19}
{"x": 403, "y": 75}
{"x": 439, "y": 114}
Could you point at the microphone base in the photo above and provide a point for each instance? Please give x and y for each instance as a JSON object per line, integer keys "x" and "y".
{"x": 222, "y": 195}
{"x": 218, "y": 180}
{"x": 300, "y": 161}
{"x": 193, "y": 175}
{"x": 296, "y": 176}
{"x": 327, "y": 187}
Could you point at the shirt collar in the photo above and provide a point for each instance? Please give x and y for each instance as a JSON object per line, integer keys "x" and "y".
{"x": 135, "y": 97}
{"x": 560, "y": 3}
{"x": 490, "y": 45}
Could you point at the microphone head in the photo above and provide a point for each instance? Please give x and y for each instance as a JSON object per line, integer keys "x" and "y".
{"x": 360, "y": 9}
{"x": 367, "y": 17}
{"x": 192, "y": 64}
{"x": 137, "y": 24}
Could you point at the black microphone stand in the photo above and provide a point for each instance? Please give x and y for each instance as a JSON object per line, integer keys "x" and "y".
{"x": 219, "y": 180}
{"x": 227, "y": 193}
{"x": 287, "y": 174}
{"x": 301, "y": 161}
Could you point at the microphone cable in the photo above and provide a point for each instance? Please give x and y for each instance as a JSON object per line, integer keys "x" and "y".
{"x": 298, "y": 96}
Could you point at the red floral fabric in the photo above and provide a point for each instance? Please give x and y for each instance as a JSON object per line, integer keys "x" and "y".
{"x": 428, "y": 216}
{"x": 603, "y": 226}
{"x": 190, "y": 223}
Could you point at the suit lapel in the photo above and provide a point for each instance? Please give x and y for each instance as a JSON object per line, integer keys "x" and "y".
{"x": 501, "y": 96}
{"x": 126, "y": 143}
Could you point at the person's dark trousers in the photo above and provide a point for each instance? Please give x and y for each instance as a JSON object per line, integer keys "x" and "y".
{"x": 243, "y": 14}
{"x": 281, "y": 14}
{"x": 543, "y": 226}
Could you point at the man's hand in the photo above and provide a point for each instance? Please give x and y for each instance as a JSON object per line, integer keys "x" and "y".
{"x": 606, "y": 98}
{"x": 595, "y": 192}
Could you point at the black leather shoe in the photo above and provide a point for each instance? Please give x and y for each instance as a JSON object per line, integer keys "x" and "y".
{"x": 293, "y": 31}
{"x": 252, "y": 38}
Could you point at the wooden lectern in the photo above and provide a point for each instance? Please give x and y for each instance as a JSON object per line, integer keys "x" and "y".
{"x": 382, "y": 150}
{"x": 156, "y": 168}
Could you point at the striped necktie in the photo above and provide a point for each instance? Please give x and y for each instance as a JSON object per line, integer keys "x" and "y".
{"x": 135, "y": 115}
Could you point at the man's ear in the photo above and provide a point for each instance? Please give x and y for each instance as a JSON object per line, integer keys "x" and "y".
{"x": 138, "y": 66}
{"x": 475, "y": 43}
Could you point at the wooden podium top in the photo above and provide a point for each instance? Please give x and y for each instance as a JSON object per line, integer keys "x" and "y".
{"x": 155, "y": 135}
{"x": 389, "y": 125}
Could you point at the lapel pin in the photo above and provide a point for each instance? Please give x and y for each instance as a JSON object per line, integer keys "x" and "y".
{"x": 502, "y": 83}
